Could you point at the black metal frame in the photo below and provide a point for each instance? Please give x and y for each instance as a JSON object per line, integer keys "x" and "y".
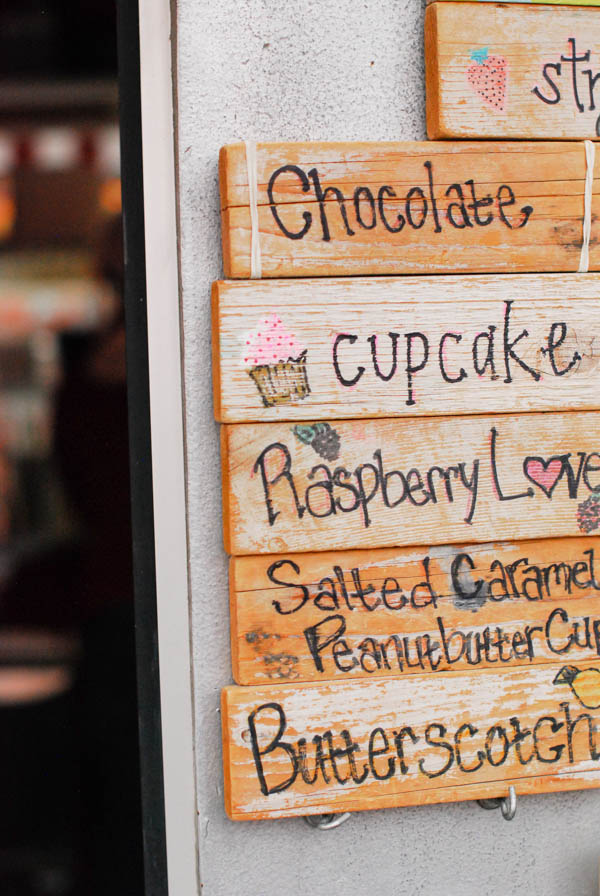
{"x": 140, "y": 441}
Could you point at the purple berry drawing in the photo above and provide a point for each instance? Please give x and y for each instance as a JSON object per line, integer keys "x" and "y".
{"x": 276, "y": 362}
{"x": 321, "y": 437}
{"x": 588, "y": 512}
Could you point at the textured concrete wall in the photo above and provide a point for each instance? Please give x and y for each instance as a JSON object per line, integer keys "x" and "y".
{"x": 318, "y": 70}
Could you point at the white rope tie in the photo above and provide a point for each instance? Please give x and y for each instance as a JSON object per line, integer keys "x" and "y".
{"x": 255, "y": 259}
{"x": 590, "y": 156}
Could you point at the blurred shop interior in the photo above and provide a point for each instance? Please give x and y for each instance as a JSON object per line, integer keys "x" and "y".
{"x": 69, "y": 808}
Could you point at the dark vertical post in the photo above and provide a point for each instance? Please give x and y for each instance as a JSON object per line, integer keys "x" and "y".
{"x": 151, "y": 760}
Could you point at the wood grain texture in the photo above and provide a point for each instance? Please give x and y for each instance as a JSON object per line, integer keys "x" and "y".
{"x": 404, "y": 208}
{"x": 383, "y": 483}
{"x": 367, "y": 614}
{"x": 358, "y": 335}
{"x": 408, "y": 741}
{"x": 497, "y": 70}
{"x": 544, "y": 2}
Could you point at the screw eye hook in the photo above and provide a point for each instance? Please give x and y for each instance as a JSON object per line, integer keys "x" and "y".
{"x": 506, "y": 804}
{"x": 327, "y": 822}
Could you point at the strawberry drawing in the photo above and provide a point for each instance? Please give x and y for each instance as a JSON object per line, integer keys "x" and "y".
{"x": 487, "y": 77}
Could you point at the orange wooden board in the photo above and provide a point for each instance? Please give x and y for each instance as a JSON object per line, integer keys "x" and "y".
{"x": 366, "y": 614}
{"x": 545, "y": 2}
{"x": 326, "y": 349}
{"x": 494, "y": 70}
{"x": 334, "y": 747}
{"x": 381, "y": 483}
{"x": 400, "y": 208}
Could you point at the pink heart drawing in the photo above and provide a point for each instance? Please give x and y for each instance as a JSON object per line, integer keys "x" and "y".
{"x": 544, "y": 473}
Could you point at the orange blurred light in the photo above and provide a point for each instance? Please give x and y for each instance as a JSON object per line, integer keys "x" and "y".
{"x": 8, "y": 209}
{"x": 109, "y": 196}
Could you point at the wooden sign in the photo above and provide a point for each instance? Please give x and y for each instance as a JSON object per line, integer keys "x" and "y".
{"x": 413, "y": 346}
{"x": 318, "y": 209}
{"x": 512, "y": 71}
{"x": 545, "y": 2}
{"x": 335, "y": 747}
{"x": 404, "y": 611}
{"x": 379, "y": 483}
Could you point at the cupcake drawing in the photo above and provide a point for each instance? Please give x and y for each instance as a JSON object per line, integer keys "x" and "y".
{"x": 276, "y": 362}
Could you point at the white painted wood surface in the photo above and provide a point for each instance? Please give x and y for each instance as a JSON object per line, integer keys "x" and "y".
{"x": 454, "y": 328}
{"x": 482, "y": 760}
{"x": 340, "y": 209}
{"x": 506, "y": 71}
{"x": 403, "y": 482}
{"x": 343, "y": 615}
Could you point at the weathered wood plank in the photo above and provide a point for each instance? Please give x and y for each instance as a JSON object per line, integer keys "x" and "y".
{"x": 401, "y": 208}
{"x": 310, "y": 349}
{"x": 367, "y": 614}
{"x": 380, "y": 483}
{"x": 512, "y": 71}
{"x": 544, "y": 2}
{"x": 335, "y": 747}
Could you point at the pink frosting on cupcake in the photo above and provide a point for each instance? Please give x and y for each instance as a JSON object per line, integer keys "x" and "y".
{"x": 270, "y": 343}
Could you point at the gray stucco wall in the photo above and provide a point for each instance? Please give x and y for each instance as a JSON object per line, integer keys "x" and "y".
{"x": 318, "y": 70}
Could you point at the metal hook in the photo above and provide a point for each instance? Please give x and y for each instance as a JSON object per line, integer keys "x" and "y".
{"x": 507, "y": 805}
{"x": 327, "y": 822}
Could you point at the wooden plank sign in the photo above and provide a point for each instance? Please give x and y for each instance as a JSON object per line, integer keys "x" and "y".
{"x": 320, "y": 209}
{"x": 413, "y": 346}
{"x": 335, "y": 747}
{"x": 379, "y": 672}
{"x": 379, "y": 483}
{"x": 545, "y": 2}
{"x": 512, "y": 71}
{"x": 404, "y": 611}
